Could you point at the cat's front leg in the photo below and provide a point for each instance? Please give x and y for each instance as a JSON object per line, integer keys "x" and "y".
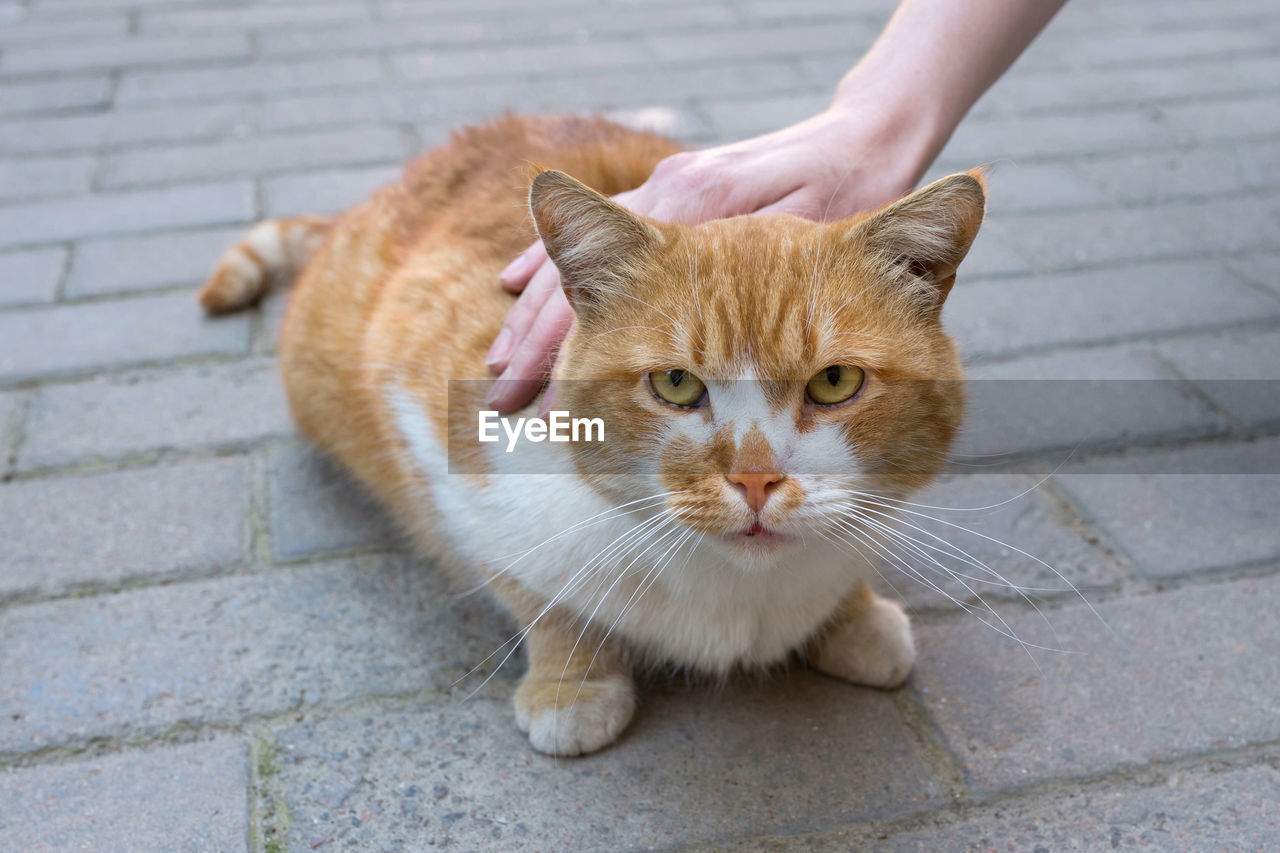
{"x": 868, "y": 642}
{"x": 578, "y": 694}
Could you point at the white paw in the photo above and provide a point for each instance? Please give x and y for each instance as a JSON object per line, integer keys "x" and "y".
{"x": 876, "y": 649}
{"x": 577, "y": 721}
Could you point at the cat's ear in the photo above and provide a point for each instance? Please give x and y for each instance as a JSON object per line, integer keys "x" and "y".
{"x": 594, "y": 242}
{"x": 928, "y": 233}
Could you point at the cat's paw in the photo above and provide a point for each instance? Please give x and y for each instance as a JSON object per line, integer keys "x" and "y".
{"x": 562, "y": 719}
{"x": 872, "y": 648}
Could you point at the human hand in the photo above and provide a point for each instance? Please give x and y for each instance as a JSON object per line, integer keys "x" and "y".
{"x": 840, "y": 162}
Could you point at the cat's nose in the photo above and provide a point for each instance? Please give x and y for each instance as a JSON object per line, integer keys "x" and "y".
{"x": 755, "y": 487}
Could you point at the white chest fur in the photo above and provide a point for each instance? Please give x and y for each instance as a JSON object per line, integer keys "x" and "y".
{"x": 651, "y": 581}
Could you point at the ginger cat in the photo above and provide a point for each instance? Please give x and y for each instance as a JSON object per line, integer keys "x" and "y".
{"x": 763, "y": 375}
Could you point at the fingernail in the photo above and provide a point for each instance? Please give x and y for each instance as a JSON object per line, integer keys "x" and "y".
{"x": 496, "y": 391}
{"x": 501, "y": 348}
{"x": 517, "y": 269}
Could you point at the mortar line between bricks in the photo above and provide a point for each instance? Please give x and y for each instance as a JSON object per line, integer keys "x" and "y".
{"x": 185, "y": 731}
{"x": 1149, "y": 775}
{"x": 989, "y": 357}
{"x": 62, "y": 377}
{"x": 1139, "y": 588}
{"x": 931, "y": 747}
{"x": 251, "y": 568}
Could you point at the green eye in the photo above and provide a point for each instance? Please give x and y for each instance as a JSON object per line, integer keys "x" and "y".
{"x": 835, "y": 384}
{"x": 678, "y": 387}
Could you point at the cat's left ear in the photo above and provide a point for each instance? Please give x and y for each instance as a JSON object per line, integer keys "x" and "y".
{"x": 929, "y": 232}
{"x": 595, "y": 243}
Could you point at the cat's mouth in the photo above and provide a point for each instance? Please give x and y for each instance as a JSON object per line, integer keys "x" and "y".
{"x": 757, "y": 536}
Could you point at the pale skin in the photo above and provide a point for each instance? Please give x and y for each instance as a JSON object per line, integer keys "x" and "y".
{"x": 891, "y": 115}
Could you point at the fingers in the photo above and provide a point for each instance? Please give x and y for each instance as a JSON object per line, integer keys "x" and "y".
{"x": 544, "y": 283}
{"x": 518, "y": 273}
{"x": 531, "y": 358}
{"x": 802, "y": 202}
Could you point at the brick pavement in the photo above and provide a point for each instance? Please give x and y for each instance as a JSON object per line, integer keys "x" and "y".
{"x": 209, "y": 640}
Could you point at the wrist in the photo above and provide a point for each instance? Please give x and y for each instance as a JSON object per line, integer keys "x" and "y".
{"x": 912, "y": 117}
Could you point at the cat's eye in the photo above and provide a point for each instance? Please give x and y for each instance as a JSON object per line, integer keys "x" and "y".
{"x": 678, "y": 387}
{"x": 835, "y": 384}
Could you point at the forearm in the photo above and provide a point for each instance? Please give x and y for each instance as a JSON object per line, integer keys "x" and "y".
{"x": 933, "y": 61}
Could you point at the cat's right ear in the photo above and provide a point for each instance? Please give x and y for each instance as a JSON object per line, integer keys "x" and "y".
{"x": 928, "y": 233}
{"x": 595, "y": 243}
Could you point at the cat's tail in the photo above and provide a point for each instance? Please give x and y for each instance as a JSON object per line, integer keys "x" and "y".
{"x": 274, "y": 251}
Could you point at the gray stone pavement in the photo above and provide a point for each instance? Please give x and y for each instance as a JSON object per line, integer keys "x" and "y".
{"x": 209, "y": 640}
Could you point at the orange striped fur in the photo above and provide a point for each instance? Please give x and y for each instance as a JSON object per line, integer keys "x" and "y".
{"x": 399, "y": 295}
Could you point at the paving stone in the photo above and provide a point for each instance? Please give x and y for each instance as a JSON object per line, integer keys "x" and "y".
{"x": 212, "y": 405}
{"x": 330, "y": 191}
{"x": 1159, "y": 507}
{"x": 1239, "y": 372}
{"x": 386, "y": 104}
{"x": 801, "y": 750}
{"x": 1260, "y": 267}
{"x": 992, "y": 254}
{"x": 1178, "y": 15}
{"x": 1175, "y": 229}
{"x": 1157, "y": 176}
{"x": 1082, "y": 90}
{"x": 92, "y": 131}
{"x": 586, "y": 22}
{"x": 1236, "y": 118}
{"x": 127, "y": 53}
{"x": 1098, "y": 306}
{"x": 1016, "y": 186}
{"x": 213, "y": 652}
{"x": 1023, "y": 138}
{"x": 769, "y": 11}
{"x": 176, "y": 798}
{"x": 252, "y": 156}
{"x": 851, "y": 38}
{"x": 239, "y": 82}
{"x": 57, "y": 94}
{"x": 740, "y": 119}
{"x": 237, "y": 18}
{"x": 1116, "y": 49}
{"x": 112, "y": 26}
{"x": 110, "y": 527}
{"x": 664, "y": 121}
{"x": 317, "y": 508}
{"x": 30, "y": 277}
{"x": 729, "y": 80}
{"x": 126, "y": 212}
{"x": 510, "y": 60}
{"x": 123, "y": 264}
{"x": 1069, "y": 401}
{"x": 1197, "y": 810}
{"x": 996, "y": 532}
{"x": 92, "y": 336}
{"x": 1128, "y": 693}
{"x": 45, "y": 176}
{"x": 381, "y": 36}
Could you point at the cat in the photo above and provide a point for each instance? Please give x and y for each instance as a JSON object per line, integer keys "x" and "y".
{"x": 759, "y": 375}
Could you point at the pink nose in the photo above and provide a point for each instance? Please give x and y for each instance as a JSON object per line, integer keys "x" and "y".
{"x": 755, "y": 487}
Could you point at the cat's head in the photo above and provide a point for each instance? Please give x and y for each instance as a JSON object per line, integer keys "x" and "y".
{"x": 765, "y": 371}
